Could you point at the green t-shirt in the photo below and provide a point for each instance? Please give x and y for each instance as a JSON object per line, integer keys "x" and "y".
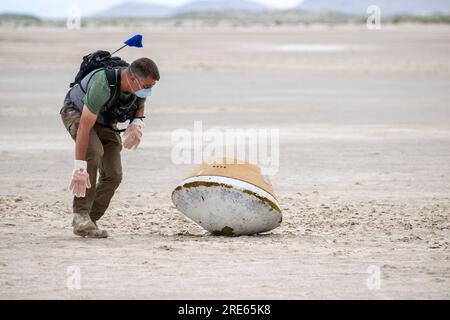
{"x": 98, "y": 93}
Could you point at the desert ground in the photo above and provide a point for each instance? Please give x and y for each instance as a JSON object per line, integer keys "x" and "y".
{"x": 363, "y": 179}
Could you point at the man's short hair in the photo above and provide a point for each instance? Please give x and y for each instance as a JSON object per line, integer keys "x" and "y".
{"x": 145, "y": 67}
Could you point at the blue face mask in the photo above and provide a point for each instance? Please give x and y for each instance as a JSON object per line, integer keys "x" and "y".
{"x": 143, "y": 93}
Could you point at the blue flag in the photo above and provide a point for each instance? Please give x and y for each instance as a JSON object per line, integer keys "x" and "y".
{"x": 135, "y": 41}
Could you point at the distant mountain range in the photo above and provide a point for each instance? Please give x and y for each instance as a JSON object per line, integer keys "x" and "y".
{"x": 217, "y": 8}
{"x": 136, "y": 9}
{"x": 354, "y": 7}
{"x": 139, "y": 9}
{"x": 387, "y": 7}
{"x": 221, "y": 5}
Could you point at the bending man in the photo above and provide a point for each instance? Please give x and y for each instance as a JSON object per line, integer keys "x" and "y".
{"x": 91, "y": 111}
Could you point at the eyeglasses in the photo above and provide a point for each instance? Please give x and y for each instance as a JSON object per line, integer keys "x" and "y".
{"x": 139, "y": 83}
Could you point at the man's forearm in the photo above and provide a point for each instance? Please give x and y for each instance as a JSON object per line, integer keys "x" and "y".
{"x": 82, "y": 142}
{"x": 87, "y": 121}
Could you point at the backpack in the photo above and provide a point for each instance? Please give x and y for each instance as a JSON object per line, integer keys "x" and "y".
{"x": 102, "y": 60}
{"x": 96, "y": 60}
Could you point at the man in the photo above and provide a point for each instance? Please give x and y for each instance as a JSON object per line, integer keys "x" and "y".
{"x": 90, "y": 113}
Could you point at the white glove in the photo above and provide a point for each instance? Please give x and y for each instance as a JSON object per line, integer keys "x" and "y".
{"x": 80, "y": 179}
{"x": 133, "y": 134}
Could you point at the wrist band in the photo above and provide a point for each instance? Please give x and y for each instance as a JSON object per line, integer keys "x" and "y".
{"x": 80, "y": 165}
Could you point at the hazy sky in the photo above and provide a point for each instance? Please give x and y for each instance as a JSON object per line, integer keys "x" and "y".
{"x": 59, "y": 8}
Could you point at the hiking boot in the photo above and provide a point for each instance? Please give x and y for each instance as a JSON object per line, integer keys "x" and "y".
{"x": 98, "y": 232}
{"x": 82, "y": 224}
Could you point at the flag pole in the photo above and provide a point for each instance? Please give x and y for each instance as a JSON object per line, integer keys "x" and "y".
{"x": 119, "y": 49}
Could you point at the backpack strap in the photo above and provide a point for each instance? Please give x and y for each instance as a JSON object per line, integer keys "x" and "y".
{"x": 115, "y": 92}
{"x": 112, "y": 83}
{"x": 79, "y": 82}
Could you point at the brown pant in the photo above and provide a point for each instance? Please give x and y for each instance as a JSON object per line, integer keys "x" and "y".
{"x": 103, "y": 154}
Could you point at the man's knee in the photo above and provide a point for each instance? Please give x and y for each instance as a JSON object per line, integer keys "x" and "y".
{"x": 116, "y": 180}
{"x": 112, "y": 178}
